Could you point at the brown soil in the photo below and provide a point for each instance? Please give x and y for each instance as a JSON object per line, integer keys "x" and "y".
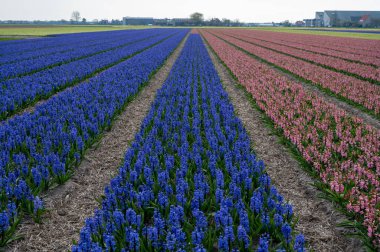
{"x": 318, "y": 218}
{"x": 70, "y": 204}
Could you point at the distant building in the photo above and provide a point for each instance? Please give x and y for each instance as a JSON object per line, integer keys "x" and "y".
{"x": 103, "y": 22}
{"x": 337, "y": 18}
{"x": 161, "y": 22}
{"x": 310, "y": 22}
{"x": 138, "y": 21}
{"x": 319, "y": 15}
{"x": 262, "y": 24}
{"x": 315, "y": 22}
{"x": 351, "y": 18}
{"x": 319, "y": 18}
{"x": 181, "y": 22}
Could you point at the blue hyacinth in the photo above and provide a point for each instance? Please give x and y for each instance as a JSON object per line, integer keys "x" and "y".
{"x": 190, "y": 181}
{"x": 263, "y": 243}
{"x": 287, "y": 232}
{"x": 299, "y": 243}
{"x": 4, "y": 222}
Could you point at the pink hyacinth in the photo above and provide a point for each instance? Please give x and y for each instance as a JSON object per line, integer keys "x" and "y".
{"x": 342, "y": 149}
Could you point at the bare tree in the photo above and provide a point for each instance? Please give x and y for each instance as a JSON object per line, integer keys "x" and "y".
{"x": 75, "y": 16}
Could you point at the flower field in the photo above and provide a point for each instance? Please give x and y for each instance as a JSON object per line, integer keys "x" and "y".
{"x": 190, "y": 178}
{"x": 190, "y": 181}
{"x": 358, "y": 47}
{"x": 68, "y": 43}
{"x": 18, "y": 93}
{"x": 343, "y": 150}
{"x": 319, "y": 46}
{"x": 365, "y": 71}
{"x": 358, "y": 91}
{"x": 35, "y": 61}
{"x": 41, "y": 148}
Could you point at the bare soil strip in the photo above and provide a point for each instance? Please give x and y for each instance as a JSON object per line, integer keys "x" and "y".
{"x": 69, "y": 205}
{"x": 318, "y": 218}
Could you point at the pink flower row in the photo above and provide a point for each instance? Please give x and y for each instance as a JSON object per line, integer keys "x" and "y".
{"x": 287, "y": 39}
{"x": 357, "y": 46}
{"x": 364, "y": 71}
{"x": 361, "y": 92}
{"x": 342, "y": 149}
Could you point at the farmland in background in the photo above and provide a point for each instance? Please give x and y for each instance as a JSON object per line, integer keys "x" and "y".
{"x": 24, "y": 31}
{"x": 8, "y": 32}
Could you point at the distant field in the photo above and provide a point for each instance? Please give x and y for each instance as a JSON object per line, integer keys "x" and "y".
{"x": 39, "y": 30}
{"x": 326, "y": 33}
{"x": 3, "y": 39}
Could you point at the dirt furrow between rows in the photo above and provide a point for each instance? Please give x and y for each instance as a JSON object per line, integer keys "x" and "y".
{"x": 70, "y": 204}
{"x": 318, "y": 218}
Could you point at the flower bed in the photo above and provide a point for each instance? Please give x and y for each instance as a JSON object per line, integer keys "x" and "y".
{"x": 42, "y": 148}
{"x": 360, "y": 92}
{"x": 343, "y": 151}
{"x": 190, "y": 181}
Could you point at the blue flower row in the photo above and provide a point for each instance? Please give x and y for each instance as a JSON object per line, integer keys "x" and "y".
{"x": 29, "y": 66}
{"x": 43, "y": 147}
{"x": 18, "y": 93}
{"x": 69, "y": 43}
{"x": 190, "y": 181}
{"x": 17, "y": 47}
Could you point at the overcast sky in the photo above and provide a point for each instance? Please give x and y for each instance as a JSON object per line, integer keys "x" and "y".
{"x": 244, "y": 10}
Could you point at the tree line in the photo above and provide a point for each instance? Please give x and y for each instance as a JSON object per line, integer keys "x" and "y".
{"x": 195, "y": 19}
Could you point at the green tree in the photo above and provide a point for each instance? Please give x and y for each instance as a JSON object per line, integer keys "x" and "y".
{"x": 197, "y": 18}
{"x": 226, "y": 22}
{"x": 215, "y": 22}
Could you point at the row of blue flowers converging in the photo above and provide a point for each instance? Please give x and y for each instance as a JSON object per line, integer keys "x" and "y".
{"x": 189, "y": 180}
{"x": 34, "y": 64}
{"x": 25, "y": 46}
{"x": 60, "y": 44}
{"x": 41, "y": 148}
{"x": 18, "y": 93}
